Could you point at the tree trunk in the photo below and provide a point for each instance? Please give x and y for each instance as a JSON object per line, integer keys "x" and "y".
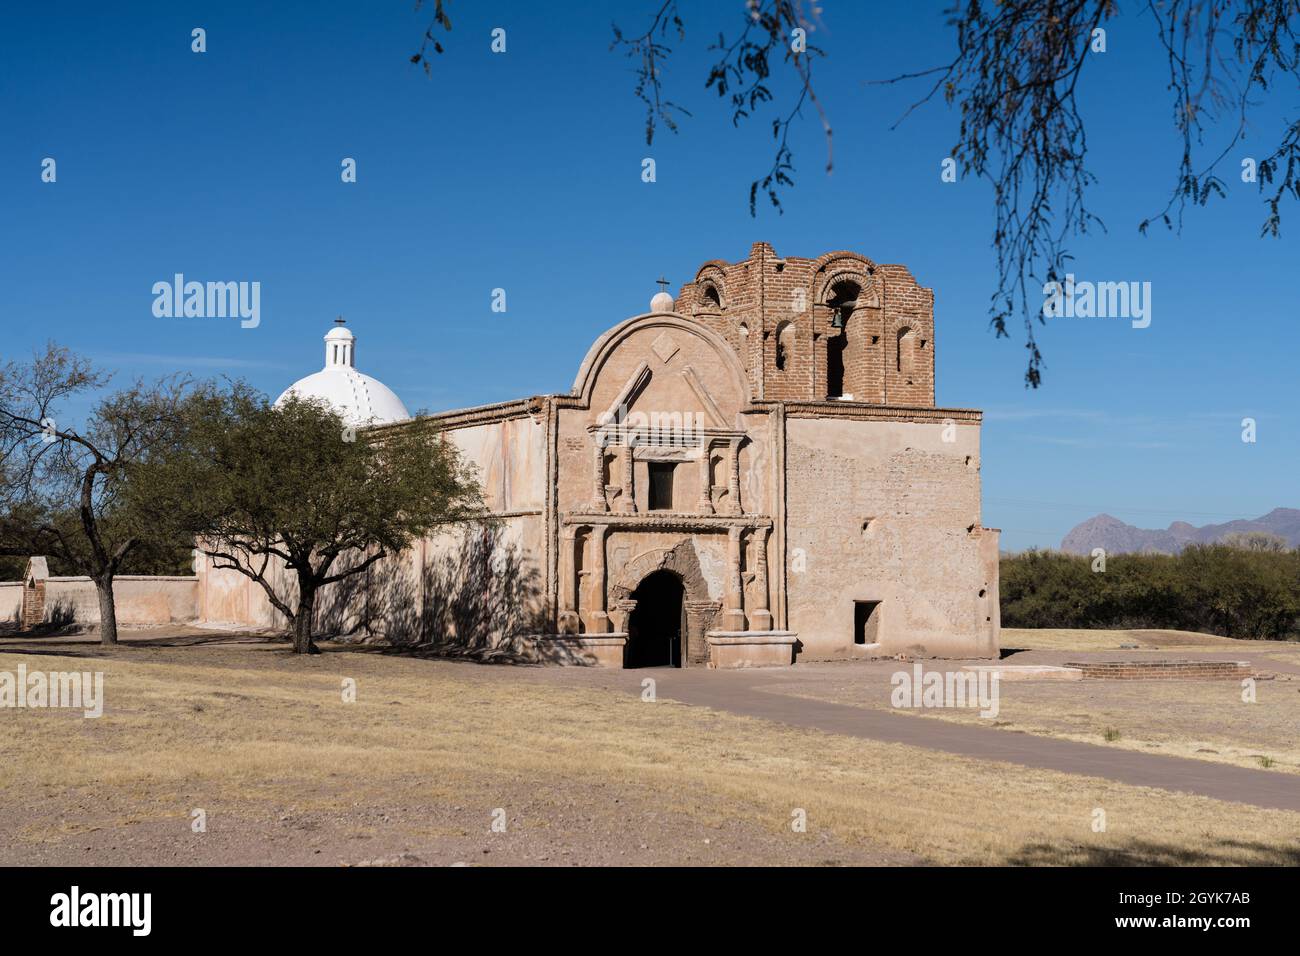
{"x": 302, "y": 642}
{"x": 107, "y": 611}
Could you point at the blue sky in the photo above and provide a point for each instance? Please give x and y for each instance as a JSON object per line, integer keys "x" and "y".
{"x": 522, "y": 171}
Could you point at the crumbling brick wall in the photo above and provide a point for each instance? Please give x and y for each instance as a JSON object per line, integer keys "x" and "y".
{"x": 767, "y": 305}
{"x": 33, "y": 613}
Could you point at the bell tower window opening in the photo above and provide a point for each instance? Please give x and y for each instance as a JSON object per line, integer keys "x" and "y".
{"x": 783, "y": 341}
{"x": 842, "y": 301}
{"x": 903, "y": 360}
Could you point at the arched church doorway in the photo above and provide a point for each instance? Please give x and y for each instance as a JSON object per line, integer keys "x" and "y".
{"x": 656, "y": 625}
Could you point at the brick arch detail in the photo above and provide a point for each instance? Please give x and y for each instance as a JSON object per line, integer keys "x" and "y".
{"x": 714, "y": 275}
{"x": 922, "y": 327}
{"x": 714, "y": 270}
{"x": 868, "y": 283}
{"x": 916, "y": 323}
{"x": 827, "y": 260}
{"x": 682, "y": 561}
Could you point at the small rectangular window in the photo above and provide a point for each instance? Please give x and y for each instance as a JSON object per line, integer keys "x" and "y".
{"x": 661, "y": 485}
{"x": 866, "y": 622}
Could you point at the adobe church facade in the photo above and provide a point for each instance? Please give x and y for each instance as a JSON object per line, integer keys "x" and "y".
{"x": 753, "y": 473}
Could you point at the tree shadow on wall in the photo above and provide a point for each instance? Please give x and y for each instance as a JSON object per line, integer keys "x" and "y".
{"x": 474, "y": 601}
{"x": 341, "y": 606}
{"x": 60, "y": 619}
{"x": 1151, "y": 853}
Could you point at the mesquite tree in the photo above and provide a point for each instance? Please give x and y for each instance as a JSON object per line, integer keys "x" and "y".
{"x": 64, "y": 489}
{"x": 268, "y": 489}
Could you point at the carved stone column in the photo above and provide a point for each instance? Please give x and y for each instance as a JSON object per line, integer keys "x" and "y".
{"x": 760, "y": 619}
{"x": 706, "y": 480}
{"x": 569, "y": 597}
{"x": 699, "y": 620}
{"x": 621, "y": 613}
{"x": 733, "y": 615}
{"x": 733, "y": 477}
{"x": 627, "y": 500}
{"x": 597, "y": 618}
{"x": 598, "y": 501}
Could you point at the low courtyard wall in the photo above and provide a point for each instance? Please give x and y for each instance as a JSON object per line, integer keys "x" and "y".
{"x": 140, "y": 599}
{"x": 11, "y": 601}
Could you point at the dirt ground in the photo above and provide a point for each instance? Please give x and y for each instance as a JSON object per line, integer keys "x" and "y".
{"x": 571, "y": 766}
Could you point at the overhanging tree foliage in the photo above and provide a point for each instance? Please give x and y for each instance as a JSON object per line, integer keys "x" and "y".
{"x": 1013, "y": 78}
{"x": 65, "y": 487}
{"x": 267, "y": 488}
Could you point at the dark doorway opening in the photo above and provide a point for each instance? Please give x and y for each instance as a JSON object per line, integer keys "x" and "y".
{"x": 866, "y": 622}
{"x": 656, "y": 626}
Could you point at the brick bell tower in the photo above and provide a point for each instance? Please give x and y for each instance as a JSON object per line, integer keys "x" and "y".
{"x": 838, "y": 328}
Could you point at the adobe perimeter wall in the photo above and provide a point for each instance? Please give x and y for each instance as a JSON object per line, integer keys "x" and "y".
{"x": 140, "y": 599}
{"x": 11, "y": 602}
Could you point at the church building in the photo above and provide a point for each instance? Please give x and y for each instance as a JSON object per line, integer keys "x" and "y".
{"x": 753, "y": 473}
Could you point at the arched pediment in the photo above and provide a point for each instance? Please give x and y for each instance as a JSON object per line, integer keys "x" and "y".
{"x": 664, "y": 362}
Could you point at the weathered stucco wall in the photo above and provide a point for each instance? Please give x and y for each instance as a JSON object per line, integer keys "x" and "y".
{"x": 139, "y": 599}
{"x": 11, "y": 602}
{"x": 888, "y": 512}
{"x": 465, "y": 578}
{"x": 478, "y": 582}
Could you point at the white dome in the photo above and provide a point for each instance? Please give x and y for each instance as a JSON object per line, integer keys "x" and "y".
{"x": 662, "y": 302}
{"x": 360, "y": 399}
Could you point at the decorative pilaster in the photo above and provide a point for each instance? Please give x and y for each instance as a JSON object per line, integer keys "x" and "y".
{"x": 621, "y": 613}
{"x": 706, "y": 480}
{"x": 598, "y": 500}
{"x": 733, "y": 477}
{"x": 760, "y": 619}
{"x": 733, "y": 615}
{"x": 627, "y": 501}
{"x": 597, "y": 618}
{"x": 569, "y": 597}
{"x": 699, "y": 620}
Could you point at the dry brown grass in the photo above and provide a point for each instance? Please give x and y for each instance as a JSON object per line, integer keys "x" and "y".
{"x": 1078, "y": 639}
{"x": 1205, "y": 720}
{"x": 231, "y": 726}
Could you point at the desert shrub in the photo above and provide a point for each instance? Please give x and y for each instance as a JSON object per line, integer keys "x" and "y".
{"x": 1218, "y": 589}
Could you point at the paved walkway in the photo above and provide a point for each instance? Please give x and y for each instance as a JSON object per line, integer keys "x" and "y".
{"x": 742, "y": 692}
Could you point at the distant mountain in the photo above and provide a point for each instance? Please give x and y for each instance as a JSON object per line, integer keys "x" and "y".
{"x": 1118, "y": 537}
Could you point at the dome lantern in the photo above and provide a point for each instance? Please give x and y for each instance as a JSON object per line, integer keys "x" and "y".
{"x": 340, "y": 346}
{"x": 358, "y": 398}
